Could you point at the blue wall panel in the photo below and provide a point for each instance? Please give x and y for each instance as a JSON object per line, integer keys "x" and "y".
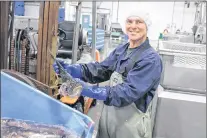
{"x": 19, "y": 8}
{"x": 85, "y": 21}
{"x": 99, "y": 38}
{"x": 61, "y": 15}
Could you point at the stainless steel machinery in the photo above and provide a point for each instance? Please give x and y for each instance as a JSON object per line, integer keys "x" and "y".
{"x": 181, "y": 110}
{"x": 184, "y": 66}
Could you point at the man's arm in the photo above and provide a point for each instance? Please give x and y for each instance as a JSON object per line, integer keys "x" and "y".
{"x": 99, "y": 72}
{"x": 139, "y": 81}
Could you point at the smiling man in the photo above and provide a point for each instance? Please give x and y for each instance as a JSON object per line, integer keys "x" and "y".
{"x": 134, "y": 71}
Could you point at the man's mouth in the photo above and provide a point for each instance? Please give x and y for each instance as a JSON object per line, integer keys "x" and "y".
{"x": 133, "y": 33}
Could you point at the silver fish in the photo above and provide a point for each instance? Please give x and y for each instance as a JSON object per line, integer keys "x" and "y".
{"x": 11, "y": 128}
{"x": 73, "y": 88}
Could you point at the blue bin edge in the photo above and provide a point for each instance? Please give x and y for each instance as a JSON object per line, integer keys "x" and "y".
{"x": 85, "y": 118}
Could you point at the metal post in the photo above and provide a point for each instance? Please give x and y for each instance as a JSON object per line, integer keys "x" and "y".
{"x": 76, "y": 33}
{"x": 117, "y": 16}
{"x": 11, "y": 31}
{"x": 112, "y": 13}
{"x": 172, "y": 25}
{"x": 94, "y": 14}
{"x": 183, "y": 17}
{"x": 4, "y": 21}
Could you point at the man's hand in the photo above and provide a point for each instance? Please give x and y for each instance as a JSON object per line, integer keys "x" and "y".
{"x": 95, "y": 92}
{"x": 74, "y": 70}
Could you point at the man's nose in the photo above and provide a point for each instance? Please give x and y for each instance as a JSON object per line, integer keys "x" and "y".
{"x": 134, "y": 25}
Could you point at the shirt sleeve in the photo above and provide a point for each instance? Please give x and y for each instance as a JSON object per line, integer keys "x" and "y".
{"x": 139, "y": 81}
{"x": 99, "y": 72}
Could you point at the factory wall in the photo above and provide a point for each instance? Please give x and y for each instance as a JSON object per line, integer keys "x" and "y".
{"x": 69, "y": 12}
{"x": 32, "y": 9}
{"x": 161, "y": 13}
{"x": 87, "y": 10}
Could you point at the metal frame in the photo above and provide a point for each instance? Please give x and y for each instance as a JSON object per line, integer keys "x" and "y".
{"x": 4, "y": 20}
{"x": 94, "y": 15}
{"x": 196, "y": 52}
{"x": 76, "y": 33}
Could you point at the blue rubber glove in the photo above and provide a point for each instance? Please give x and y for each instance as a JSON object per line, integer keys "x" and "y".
{"x": 74, "y": 70}
{"x": 95, "y": 92}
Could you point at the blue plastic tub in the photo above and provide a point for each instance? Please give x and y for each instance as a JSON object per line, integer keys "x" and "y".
{"x": 21, "y": 101}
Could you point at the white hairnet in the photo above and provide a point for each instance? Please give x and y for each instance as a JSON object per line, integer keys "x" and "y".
{"x": 143, "y": 15}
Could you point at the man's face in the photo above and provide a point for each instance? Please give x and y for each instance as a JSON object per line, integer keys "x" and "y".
{"x": 136, "y": 28}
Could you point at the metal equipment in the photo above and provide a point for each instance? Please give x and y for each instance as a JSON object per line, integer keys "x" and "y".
{"x": 116, "y": 31}
{"x": 27, "y": 63}
{"x": 24, "y": 52}
{"x": 184, "y": 66}
{"x": 180, "y": 115}
{"x": 199, "y": 28}
{"x": 200, "y": 35}
{"x": 66, "y": 38}
{"x": 76, "y": 33}
{"x": 94, "y": 14}
{"x": 181, "y": 110}
{"x": 27, "y": 32}
{"x": 6, "y": 34}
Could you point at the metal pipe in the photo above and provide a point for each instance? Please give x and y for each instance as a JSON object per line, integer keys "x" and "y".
{"x": 183, "y": 17}
{"x": 94, "y": 14}
{"x": 112, "y": 9}
{"x": 173, "y": 18}
{"x": 4, "y": 21}
{"x": 117, "y": 16}
{"x": 184, "y": 90}
{"x": 97, "y": 8}
{"x": 76, "y": 34}
{"x": 11, "y": 31}
{"x": 181, "y": 53}
{"x": 204, "y": 13}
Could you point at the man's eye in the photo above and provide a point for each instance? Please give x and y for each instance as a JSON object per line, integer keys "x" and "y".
{"x": 129, "y": 21}
{"x": 138, "y": 21}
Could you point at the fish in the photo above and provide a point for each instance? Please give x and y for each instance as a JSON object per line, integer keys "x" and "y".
{"x": 70, "y": 86}
{"x": 12, "y": 128}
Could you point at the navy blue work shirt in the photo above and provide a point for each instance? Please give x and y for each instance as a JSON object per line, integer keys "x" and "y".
{"x": 140, "y": 82}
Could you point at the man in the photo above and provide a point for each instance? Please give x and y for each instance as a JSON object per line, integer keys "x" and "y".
{"x": 134, "y": 71}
